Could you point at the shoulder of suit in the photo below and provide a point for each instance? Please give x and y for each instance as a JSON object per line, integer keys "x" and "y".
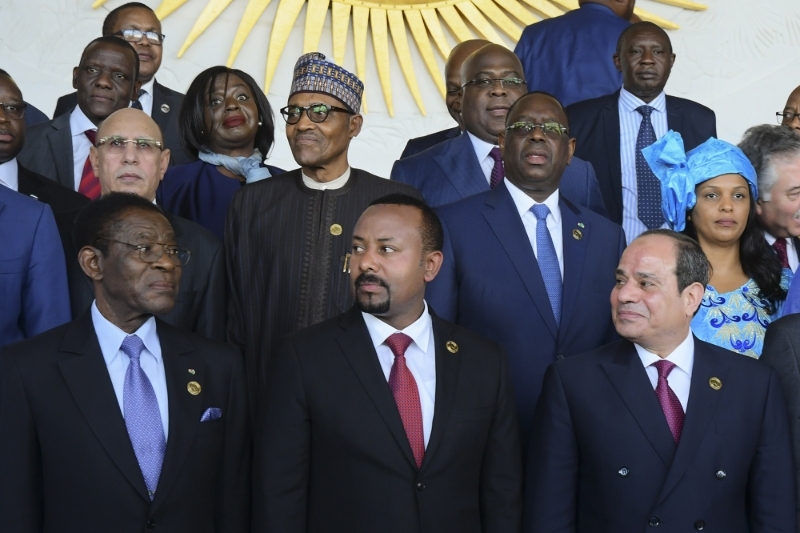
{"x": 200, "y": 345}
{"x": 590, "y": 105}
{"x": 695, "y": 107}
{"x": 422, "y": 158}
{"x": 20, "y": 205}
{"x": 590, "y": 217}
{"x": 192, "y": 232}
{"x": 166, "y": 91}
{"x": 32, "y": 352}
{"x": 465, "y": 339}
{"x": 736, "y": 361}
{"x": 788, "y": 325}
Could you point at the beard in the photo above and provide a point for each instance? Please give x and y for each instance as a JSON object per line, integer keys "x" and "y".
{"x": 369, "y": 303}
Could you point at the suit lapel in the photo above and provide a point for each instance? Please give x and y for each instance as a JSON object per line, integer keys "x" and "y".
{"x": 158, "y": 115}
{"x": 461, "y": 166}
{"x": 574, "y": 250}
{"x": 612, "y": 134}
{"x": 674, "y": 114}
{"x": 60, "y": 141}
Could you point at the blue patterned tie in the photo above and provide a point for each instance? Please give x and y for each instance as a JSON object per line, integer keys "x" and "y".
{"x": 648, "y": 188}
{"x": 142, "y": 416}
{"x": 136, "y": 104}
{"x": 548, "y": 260}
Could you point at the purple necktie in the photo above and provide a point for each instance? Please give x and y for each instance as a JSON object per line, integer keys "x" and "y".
{"x": 673, "y": 410}
{"x": 406, "y": 395}
{"x": 498, "y": 171}
{"x": 142, "y": 416}
{"x": 780, "y": 249}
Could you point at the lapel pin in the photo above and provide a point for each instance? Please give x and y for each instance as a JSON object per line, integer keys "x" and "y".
{"x": 715, "y": 383}
{"x": 191, "y": 371}
{"x": 194, "y": 388}
{"x": 336, "y": 230}
{"x": 164, "y": 108}
{"x": 577, "y": 234}
{"x": 451, "y": 347}
{"x": 580, "y": 225}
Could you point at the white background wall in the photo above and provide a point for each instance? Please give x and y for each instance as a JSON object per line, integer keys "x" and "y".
{"x": 740, "y": 57}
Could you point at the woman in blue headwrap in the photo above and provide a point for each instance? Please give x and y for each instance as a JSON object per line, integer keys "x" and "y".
{"x": 710, "y": 194}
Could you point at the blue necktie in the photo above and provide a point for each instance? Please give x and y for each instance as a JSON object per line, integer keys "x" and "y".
{"x": 548, "y": 260}
{"x": 648, "y": 188}
{"x": 136, "y": 104}
{"x": 142, "y": 416}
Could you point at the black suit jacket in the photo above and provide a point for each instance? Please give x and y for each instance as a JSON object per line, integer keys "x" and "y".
{"x": 166, "y": 111}
{"x": 595, "y": 125}
{"x": 60, "y": 199}
{"x": 420, "y": 144}
{"x": 332, "y": 455}
{"x": 66, "y": 461}
{"x": 603, "y": 458}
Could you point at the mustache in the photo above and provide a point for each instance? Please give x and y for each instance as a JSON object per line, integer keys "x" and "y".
{"x": 370, "y": 278}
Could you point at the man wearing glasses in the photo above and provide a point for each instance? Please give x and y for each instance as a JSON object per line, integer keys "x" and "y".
{"x": 492, "y": 81}
{"x": 287, "y": 238}
{"x": 790, "y": 117}
{"x": 523, "y": 265}
{"x": 138, "y": 24}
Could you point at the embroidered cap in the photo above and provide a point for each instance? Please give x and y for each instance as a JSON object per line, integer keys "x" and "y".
{"x": 315, "y": 74}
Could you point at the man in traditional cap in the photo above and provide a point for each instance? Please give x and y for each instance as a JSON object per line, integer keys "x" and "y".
{"x": 287, "y": 238}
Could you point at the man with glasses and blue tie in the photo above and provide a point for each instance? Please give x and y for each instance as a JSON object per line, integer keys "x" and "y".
{"x": 118, "y": 421}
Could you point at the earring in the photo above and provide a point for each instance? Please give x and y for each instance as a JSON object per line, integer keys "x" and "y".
{"x": 689, "y": 217}
{"x": 259, "y": 123}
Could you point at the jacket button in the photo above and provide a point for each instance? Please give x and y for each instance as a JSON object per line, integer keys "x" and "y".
{"x": 151, "y": 524}
{"x": 560, "y": 357}
{"x": 654, "y": 521}
{"x": 699, "y": 525}
{"x": 420, "y": 486}
{"x": 624, "y": 471}
{"x": 721, "y": 474}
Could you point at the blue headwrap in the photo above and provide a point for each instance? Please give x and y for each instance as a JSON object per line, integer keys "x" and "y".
{"x": 680, "y": 172}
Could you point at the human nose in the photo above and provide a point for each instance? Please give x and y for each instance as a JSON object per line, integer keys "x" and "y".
{"x": 164, "y": 261}
{"x": 626, "y": 292}
{"x": 498, "y": 88}
{"x": 3, "y": 117}
{"x": 647, "y": 56}
{"x": 130, "y": 153}
{"x": 231, "y": 103}
{"x": 305, "y": 122}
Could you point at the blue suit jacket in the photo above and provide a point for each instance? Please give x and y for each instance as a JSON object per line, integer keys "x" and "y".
{"x": 451, "y": 171}
{"x": 490, "y": 283}
{"x": 420, "y": 144}
{"x": 33, "y": 275}
{"x": 603, "y": 459}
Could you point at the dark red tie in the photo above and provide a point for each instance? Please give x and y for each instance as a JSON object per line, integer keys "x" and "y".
{"x": 780, "y": 249}
{"x": 90, "y": 185}
{"x": 406, "y": 394}
{"x": 498, "y": 171}
{"x": 673, "y": 410}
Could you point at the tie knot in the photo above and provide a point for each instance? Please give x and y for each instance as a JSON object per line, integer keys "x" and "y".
{"x": 132, "y": 346}
{"x": 540, "y": 211}
{"x": 664, "y": 367}
{"x": 645, "y": 110}
{"x": 495, "y": 154}
{"x": 142, "y": 92}
{"x": 91, "y": 135}
{"x": 398, "y": 343}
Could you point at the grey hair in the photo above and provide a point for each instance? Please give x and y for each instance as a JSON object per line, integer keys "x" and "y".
{"x": 766, "y": 145}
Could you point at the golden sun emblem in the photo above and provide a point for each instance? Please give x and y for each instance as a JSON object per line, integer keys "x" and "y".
{"x": 465, "y": 19}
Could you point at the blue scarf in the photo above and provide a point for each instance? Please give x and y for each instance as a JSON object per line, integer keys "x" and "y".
{"x": 249, "y": 167}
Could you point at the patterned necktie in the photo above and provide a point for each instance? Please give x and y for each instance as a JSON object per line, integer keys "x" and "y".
{"x": 90, "y": 185}
{"x": 498, "y": 170}
{"x": 136, "y": 104}
{"x": 548, "y": 260}
{"x": 406, "y": 395}
{"x": 648, "y": 188}
{"x": 142, "y": 416}
{"x": 670, "y": 404}
{"x": 780, "y": 249}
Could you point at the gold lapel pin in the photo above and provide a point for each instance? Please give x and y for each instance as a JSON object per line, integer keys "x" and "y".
{"x": 191, "y": 371}
{"x": 577, "y": 234}
{"x": 452, "y": 347}
{"x": 194, "y": 388}
{"x": 164, "y": 108}
{"x": 336, "y": 230}
{"x": 580, "y": 225}
{"x": 715, "y": 383}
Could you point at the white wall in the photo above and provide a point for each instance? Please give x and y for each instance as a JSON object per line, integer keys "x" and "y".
{"x": 740, "y": 57}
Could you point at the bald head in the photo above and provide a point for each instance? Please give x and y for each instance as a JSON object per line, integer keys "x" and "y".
{"x": 452, "y": 74}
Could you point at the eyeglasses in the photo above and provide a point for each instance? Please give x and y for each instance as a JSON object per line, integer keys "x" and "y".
{"x": 786, "y": 117}
{"x": 489, "y": 83}
{"x": 554, "y": 130}
{"x": 13, "y": 110}
{"x": 117, "y": 145}
{"x": 134, "y": 36}
{"x": 316, "y": 112}
{"x": 148, "y": 255}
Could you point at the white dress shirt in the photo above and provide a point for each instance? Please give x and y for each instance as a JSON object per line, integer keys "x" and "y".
{"x": 482, "y": 149}
{"x": 9, "y": 174}
{"x": 420, "y": 359}
{"x": 146, "y": 98}
{"x": 680, "y": 379}
{"x": 111, "y": 337}
{"x": 524, "y": 204}
{"x": 629, "y": 122}
{"x": 332, "y": 185}
{"x": 78, "y": 124}
{"x": 791, "y": 249}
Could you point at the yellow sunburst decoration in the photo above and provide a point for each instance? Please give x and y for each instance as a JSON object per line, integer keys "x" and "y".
{"x": 463, "y": 18}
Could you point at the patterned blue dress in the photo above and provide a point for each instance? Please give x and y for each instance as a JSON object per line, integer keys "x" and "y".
{"x": 737, "y": 320}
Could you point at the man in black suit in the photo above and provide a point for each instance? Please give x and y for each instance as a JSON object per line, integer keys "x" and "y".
{"x": 660, "y": 429}
{"x": 436, "y": 449}
{"x": 118, "y": 421}
{"x": 610, "y": 128}
{"x": 137, "y": 23}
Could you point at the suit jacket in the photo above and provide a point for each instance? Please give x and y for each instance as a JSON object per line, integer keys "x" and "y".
{"x": 595, "y": 124}
{"x": 33, "y": 115}
{"x": 603, "y": 458}
{"x": 60, "y": 199}
{"x": 67, "y": 463}
{"x": 490, "y": 283}
{"x": 48, "y": 151}
{"x": 332, "y": 455}
{"x": 420, "y": 144}
{"x": 166, "y": 111}
{"x": 33, "y": 279}
{"x": 782, "y": 352}
{"x": 451, "y": 171}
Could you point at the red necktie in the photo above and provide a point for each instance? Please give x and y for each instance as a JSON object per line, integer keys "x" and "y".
{"x": 90, "y": 185}
{"x": 780, "y": 249}
{"x": 406, "y": 395}
{"x": 498, "y": 171}
{"x": 673, "y": 410}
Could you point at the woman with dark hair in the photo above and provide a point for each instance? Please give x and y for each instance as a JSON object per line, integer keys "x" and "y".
{"x": 227, "y": 123}
{"x": 710, "y": 195}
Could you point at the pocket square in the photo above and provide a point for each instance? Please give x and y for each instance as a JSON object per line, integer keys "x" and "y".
{"x": 212, "y": 413}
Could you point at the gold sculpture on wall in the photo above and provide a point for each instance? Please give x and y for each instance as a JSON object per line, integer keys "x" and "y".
{"x": 465, "y": 19}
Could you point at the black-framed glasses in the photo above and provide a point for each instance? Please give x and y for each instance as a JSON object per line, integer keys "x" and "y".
{"x": 554, "y": 130}
{"x": 134, "y": 36}
{"x": 315, "y": 112}
{"x": 14, "y": 110}
{"x": 143, "y": 145}
{"x": 148, "y": 254}
{"x": 489, "y": 83}
{"x": 786, "y": 117}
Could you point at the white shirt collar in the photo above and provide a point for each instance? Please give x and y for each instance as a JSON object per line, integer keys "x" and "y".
{"x": 338, "y": 183}
{"x": 9, "y": 174}
{"x": 379, "y": 330}
{"x": 628, "y": 102}
{"x": 682, "y": 356}
{"x": 110, "y": 336}
{"x": 79, "y": 122}
{"x": 148, "y": 87}
{"x": 481, "y": 147}
{"x": 525, "y": 202}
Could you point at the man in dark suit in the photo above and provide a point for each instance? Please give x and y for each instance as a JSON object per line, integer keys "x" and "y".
{"x": 660, "y": 429}
{"x": 452, "y": 80}
{"x": 471, "y": 163}
{"x": 118, "y": 421}
{"x": 436, "y": 449}
{"x": 612, "y": 129}
{"x": 137, "y": 23}
{"x": 531, "y": 292}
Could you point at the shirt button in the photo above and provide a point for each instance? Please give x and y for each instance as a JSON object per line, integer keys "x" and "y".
{"x": 721, "y": 474}
{"x": 624, "y": 471}
{"x": 420, "y": 486}
{"x": 654, "y": 521}
{"x": 699, "y": 525}
{"x": 560, "y": 357}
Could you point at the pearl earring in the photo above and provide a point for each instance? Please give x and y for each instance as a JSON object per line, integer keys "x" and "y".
{"x": 259, "y": 123}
